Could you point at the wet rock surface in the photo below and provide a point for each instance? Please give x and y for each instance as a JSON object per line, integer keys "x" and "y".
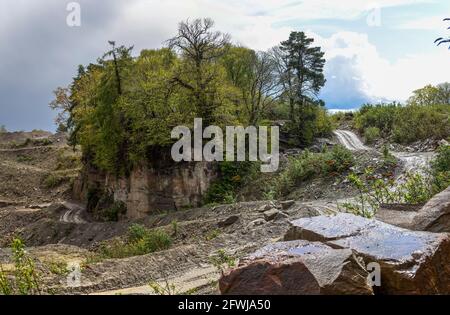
{"x": 297, "y": 267}
{"x": 412, "y": 262}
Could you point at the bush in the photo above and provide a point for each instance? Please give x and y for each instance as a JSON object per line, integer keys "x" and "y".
{"x": 140, "y": 241}
{"x": 232, "y": 176}
{"x": 440, "y": 169}
{"x": 25, "y": 279}
{"x": 371, "y": 134}
{"x": 53, "y": 181}
{"x": 309, "y": 165}
{"x": 404, "y": 124}
{"x": 136, "y": 232}
{"x": 415, "y": 123}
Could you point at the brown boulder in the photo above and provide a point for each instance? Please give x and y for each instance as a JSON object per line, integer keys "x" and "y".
{"x": 411, "y": 262}
{"x": 297, "y": 267}
{"x": 435, "y": 214}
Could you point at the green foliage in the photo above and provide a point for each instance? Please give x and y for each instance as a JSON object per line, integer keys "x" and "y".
{"x": 114, "y": 211}
{"x": 309, "y": 165}
{"x": 174, "y": 227}
{"x": 140, "y": 241}
{"x": 371, "y": 134}
{"x": 405, "y": 124}
{"x": 121, "y": 109}
{"x": 3, "y": 129}
{"x": 67, "y": 160}
{"x": 312, "y": 121}
{"x": 25, "y": 280}
{"x": 212, "y": 234}
{"x": 164, "y": 289}
{"x": 53, "y": 180}
{"x": 416, "y": 189}
{"x": 388, "y": 159}
{"x": 440, "y": 169}
{"x": 103, "y": 205}
{"x": 221, "y": 260}
{"x": 422, "y": 122}
{"x": 431, "y": 95}
{"x": 21, "y": 158}
{"x": 233, "y": 175}
{"x": 58, "y": 268}
{"x": 375, "y": 191}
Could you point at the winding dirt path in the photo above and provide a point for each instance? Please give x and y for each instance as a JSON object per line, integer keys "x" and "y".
{"x": 74, "y": 214}
{"x": 350, "y": 140}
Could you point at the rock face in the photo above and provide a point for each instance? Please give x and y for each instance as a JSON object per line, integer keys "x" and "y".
{"x": 411, "y": 262}
{"x": 153, "y": 188}
{"x": 297, "y": 267}
{"x": 435, "y": 215}
{"x": 399, "y": 215}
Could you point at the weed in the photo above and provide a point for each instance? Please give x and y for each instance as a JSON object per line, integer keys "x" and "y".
{"x": 25, "y": 280}
{"x": 221, "y": 260}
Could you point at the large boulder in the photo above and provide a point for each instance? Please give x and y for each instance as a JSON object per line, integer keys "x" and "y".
{"x": 435, "y": 214}
{"x": 401, "y": 215}
{"x": 412, "y": 262}
{"x": 297, "y": 267}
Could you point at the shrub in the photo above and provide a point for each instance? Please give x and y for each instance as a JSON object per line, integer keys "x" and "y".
{"x": 309, "y": 165}
{"x": 338, "y": 160}
{"x": 25, "y": 280}
{"x": 114, "y": 211}
{"x": 416, "y": 189}
{"x": 136, "y": 232}
{"x": 53, "y": 181}
{"x": 221, "y": 260}
{"x": 103, "y": 205}
{"x": 140, "y": 241}
{"x": 66, "y": 161}
{"x": 232, "y": 176}
{"x": 388, "y": 159}
{"x": 440, "y": 169}
{"x": 371, "y": 134}
{"x": 404, "y": 124}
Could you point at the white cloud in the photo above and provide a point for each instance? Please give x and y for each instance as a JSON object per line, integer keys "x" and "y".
{"x": 432, "y": 23}
{"x": 378, "y": 78}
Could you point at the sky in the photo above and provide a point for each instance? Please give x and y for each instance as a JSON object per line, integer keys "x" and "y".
{"x": 376, "y": 51}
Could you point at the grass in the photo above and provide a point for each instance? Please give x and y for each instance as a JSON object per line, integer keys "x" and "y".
{"x": 212, "y": 234}
{"x": 139, "y": 241}
{"x": 309, "y": 165}
{"x": 24, "y": 158}
{"x": 53, "y": 180}
{"x": 58, "y": 268}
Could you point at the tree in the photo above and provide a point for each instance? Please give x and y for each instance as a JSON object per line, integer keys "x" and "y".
{"x": 444, "y": 93}
{"x": 427, "y": 95}
{"x": 3, "y": 129}
{"x": 442, "y": 40}
{"x": 300, "y": 69}
{"x": 200, "y": 48}
{"x": 300, "y": 75}
{"x": 253, "y": 73}
{"x": 431, "y": 95}
{"x": 120, "y": 55}
{"x": 63, "y": 105}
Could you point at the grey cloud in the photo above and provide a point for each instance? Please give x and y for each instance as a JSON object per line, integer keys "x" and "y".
{"x": 40, "y": 52}
{"x": 342, "y": 89}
